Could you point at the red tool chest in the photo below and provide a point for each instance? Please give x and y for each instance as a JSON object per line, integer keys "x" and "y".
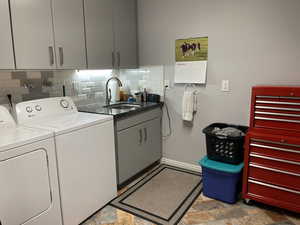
{"x": 272, "y": 148}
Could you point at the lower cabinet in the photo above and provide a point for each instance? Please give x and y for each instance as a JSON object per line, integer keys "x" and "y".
{"x": 138, "y": 147}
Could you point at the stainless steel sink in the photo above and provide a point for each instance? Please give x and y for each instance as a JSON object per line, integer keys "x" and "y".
{"x": 124, "y": 106}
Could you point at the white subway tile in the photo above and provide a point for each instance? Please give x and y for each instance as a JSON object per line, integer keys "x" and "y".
{"x": 34, "y": 75}
{"x": 5, "y": 76}
{"x": 10, "y": 83}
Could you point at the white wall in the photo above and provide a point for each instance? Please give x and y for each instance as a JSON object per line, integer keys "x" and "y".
{"x": 250, "y": 42}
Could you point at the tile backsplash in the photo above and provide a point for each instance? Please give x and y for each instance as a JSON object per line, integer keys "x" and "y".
{"x": 83, "y": 86}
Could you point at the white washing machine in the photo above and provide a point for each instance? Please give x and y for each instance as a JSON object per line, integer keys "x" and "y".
{"x": 85, "y": 148}
{"x": 29, "y": 192}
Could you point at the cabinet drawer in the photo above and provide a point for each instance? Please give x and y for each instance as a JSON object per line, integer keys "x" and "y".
{"x": 280, "y": 148}
{"x": 273, "y": 194}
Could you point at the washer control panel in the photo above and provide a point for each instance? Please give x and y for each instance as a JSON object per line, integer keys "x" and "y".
{"x": 38, "y": 108}
{"x": 29, "y": 109}
{"x": 44, "y": 108}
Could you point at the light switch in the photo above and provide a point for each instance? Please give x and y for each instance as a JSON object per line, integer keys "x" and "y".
{"x": 225, "y": 85}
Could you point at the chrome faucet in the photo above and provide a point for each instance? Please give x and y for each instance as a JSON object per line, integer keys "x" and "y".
{"x": 108, "y": 95}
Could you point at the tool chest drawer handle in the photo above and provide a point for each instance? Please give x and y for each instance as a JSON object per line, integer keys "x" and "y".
{"x": 279, "y": 97}
{"x": 282, "y": 142}
{"x": 277, "y": 114}
{"x": 277, "y": 108}
{"x": 273, "y": 186}
{"x": 274, "y": 159}
{"x": 274, "y": 148}
{"x": 274, "y": 119}
{"x": 277, "y": 103}
{"x": 274, "y": 170}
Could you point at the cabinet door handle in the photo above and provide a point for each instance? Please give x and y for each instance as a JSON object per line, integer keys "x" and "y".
{"x": 146, "y": 135}
{"x": 119, "y": 59}
{"x": 141, "y": 136}
{"x": 113, "y": 59}
{"x": 61, "y": 56}
{"x": 51, "y": 57}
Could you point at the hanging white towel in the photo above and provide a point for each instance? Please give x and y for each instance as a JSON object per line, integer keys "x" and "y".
{"x": 188, "y": 106}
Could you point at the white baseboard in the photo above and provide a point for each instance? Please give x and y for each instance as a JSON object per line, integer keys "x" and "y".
{"x": 182, "y": 165}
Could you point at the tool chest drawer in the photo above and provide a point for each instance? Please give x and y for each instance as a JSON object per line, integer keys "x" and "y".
{"x": 275, "y": 163}
{"x": 274, "y": 172}
{"x": 274, "y": 195}
{"x": 280, "y": 147}
{"x": 276, "y": 108}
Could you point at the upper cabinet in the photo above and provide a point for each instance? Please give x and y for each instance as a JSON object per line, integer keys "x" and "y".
{"x": 99, "y": 33}
{"x": 6, "y": 47}
{"x": 68, "y": 20}
{"x": 34, "y": 37}
{"x": 111, "y": 34}
{"x": 68, "y": 34}
{"x": 125, "y": 33}
{"x": 33, "y": 34}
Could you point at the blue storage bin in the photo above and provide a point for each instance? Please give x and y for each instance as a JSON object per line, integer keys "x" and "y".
{"x": 221, "y": 181}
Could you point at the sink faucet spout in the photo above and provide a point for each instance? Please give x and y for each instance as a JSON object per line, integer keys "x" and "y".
{"x": 108, "y": 92}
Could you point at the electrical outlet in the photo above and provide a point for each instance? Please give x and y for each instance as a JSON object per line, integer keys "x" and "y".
{"x": 225, "y": 86}
{"x": 167, "y": 83}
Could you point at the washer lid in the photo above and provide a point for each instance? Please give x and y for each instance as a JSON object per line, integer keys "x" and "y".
{"x": 69, "y": 123}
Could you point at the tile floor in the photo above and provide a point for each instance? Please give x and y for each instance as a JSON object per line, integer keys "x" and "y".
{"x": 205, "y": 211}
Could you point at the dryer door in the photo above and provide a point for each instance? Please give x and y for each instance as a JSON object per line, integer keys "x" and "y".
{"x": 25, "y": 187}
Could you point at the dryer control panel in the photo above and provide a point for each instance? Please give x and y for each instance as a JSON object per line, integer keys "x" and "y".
{"x": 44, "y": 108}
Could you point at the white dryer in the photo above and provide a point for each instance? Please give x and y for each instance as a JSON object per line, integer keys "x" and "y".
{"x": 85, "y": 148}
{"x": 29, "y": 192}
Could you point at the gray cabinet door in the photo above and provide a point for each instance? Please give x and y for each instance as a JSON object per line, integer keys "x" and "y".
{"x": 33, "y": 34}
{"x": 130, "y": 152}
{"x": 99, "y": 33}
{"x": 6, "y": 48}
{"x": 125, "y": 32}
{"x": 152, "y": 141}
{"x": 68, "y": 23}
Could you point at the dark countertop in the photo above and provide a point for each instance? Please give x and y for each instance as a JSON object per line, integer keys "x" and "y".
{"x": 117, "y": 113}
